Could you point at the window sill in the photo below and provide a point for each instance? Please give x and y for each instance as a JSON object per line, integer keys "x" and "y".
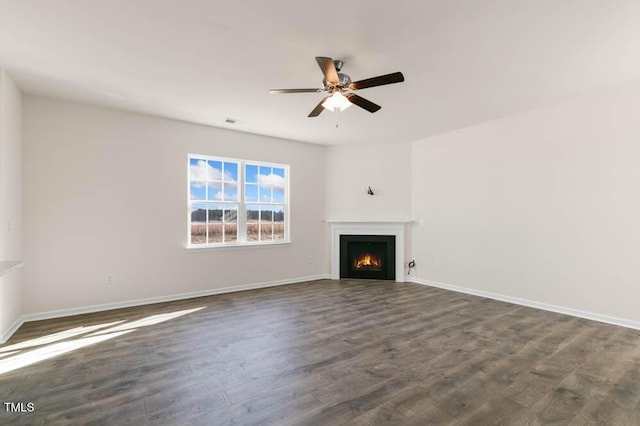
{"x": 237, "y": 246}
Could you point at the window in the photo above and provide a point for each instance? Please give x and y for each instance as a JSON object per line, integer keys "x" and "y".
{"x": 235, "y": 202}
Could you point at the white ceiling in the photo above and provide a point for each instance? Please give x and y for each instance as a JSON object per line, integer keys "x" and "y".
{"x": 464, "y": 61}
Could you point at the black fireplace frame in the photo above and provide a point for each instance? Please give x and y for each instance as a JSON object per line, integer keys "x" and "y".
{"x": 389, "y": 272}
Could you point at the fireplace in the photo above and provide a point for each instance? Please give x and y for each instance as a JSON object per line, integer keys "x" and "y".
{"x": 368, "y": 257}
{"x": 395, "y": 229}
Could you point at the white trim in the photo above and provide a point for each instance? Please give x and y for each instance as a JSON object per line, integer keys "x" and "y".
{"x": 151, "y": 300}
{"x": 339, "y": 228}
{"x": 532, "y": 304}
{"x": 231, "y": 246}
{"x": 7, "y": 334}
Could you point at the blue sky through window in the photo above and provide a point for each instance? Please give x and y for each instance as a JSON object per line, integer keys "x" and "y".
{"x": 214, "y": 171}
{"x": 251, "y": 174}
{"x": 197, "y": 191}
{"x": 230, "y": 172}
{"x": 251, "y": 193}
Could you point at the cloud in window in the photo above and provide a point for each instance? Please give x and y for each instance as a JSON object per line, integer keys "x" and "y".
{"x": 271, "y": 179}
{"x": 200, "y": 171}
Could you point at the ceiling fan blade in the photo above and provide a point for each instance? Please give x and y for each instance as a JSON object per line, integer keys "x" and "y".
{"x": 381, "y": 80}
{"x": 276, "y": 91}
{"x": 328, "y": 69}
{"x": 318, "y": 109}
{"x": 362, "y": 102}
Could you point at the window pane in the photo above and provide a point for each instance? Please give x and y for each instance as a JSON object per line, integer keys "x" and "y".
{"x": 230, "y": 186}
{"x": 230, "y": 193}
{"x": 265, "y": 194}
{"x": 253, "y": 215}
{"x": 266, "y": 231}
{"x": 231, "y": 224}
{"x": 214, "y": 191}
{"x": 214, "y": 170}
{"x": 215, "y": 213}
{"x": 197, "y": 191}
{"x": 277, "y": 178}
{"x": 199, "y": 212}
{"x": 251, "y": 174}
{"x": 198, "y": 233}
{"x": 230, "y": 172}
{"x": 278, "y": 231}
{"x": 198, "y": 223}
{"x": 251, "y": 193}
{"x": 265, "y": 175}
{"x": 231, "y": 214}
{"x": 266, "y": 215}
{"x": 278, "y": 214}
{"x": 215, "y": 233}
{"x": 214, "y": 224}
{"x": 278, "y": 195}
{"x": 197, "y": 169}
{"x": 279, "y": 223}
{"x": 230, "y": 232}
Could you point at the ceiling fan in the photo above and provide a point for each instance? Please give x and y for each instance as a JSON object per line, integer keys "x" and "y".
{"x": 340, "y": 88}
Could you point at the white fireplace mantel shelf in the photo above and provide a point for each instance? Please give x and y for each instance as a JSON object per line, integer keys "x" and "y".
{"x": 380, "y": 227}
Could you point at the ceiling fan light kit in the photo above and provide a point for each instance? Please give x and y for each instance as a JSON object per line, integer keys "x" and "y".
{"x": 340, "y": 88}
{"x": 336, "y": 101}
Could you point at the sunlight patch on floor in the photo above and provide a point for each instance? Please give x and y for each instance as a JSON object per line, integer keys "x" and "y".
{"x": 13, "y": 357}
{"x": 144, "y": 322}
{"x": 57, "y": 336}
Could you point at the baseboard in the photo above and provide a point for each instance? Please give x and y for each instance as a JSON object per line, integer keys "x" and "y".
{"x": 532, "y": 304}
{"x": 151, "y": 300}
{"x": 7, "y": 334}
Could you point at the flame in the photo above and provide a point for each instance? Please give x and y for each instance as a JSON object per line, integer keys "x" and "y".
{"x": 367, "y": 261}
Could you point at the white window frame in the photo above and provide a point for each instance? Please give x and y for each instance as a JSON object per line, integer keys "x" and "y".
{"x": 242, "y": 205}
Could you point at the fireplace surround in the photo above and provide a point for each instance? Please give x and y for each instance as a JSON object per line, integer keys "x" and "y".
{"x": 394, "y": 228}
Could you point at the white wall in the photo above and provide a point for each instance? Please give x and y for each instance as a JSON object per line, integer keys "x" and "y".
{"x": 352, "y": 168}
{"x": 11, "y": 290}
{"x": 105, "y": 195}
{"x": 542, "y": 206}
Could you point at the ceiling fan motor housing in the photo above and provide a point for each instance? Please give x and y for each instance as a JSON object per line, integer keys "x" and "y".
{"x": 343, "y": 82}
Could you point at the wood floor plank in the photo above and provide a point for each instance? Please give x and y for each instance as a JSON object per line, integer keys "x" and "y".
{"x": 353, "y": 352}
{"x": 498, "y": 411}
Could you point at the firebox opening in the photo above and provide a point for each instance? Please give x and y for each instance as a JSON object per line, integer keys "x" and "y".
{"x": 367, "y": 257}
{"x": 367, "y": 262}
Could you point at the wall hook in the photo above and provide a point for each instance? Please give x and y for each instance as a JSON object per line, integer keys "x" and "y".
{"x": 370, "y": 191}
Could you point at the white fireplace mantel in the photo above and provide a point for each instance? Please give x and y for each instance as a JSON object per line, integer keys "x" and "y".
{"x": 396, "y": 228}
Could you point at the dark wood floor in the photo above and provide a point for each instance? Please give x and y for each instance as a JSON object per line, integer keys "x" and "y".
{"x": 326, "y": 352}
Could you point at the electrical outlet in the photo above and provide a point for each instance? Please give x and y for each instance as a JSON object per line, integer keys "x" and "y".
{"x": 436, "y": 263}
{"x": 109, "y": 279}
